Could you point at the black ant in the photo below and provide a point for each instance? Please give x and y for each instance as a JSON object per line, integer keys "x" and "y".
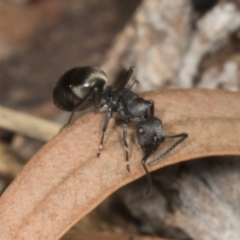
{"x": 82, "y": 85}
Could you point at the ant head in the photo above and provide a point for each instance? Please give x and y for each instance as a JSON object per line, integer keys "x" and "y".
{"x": 150, "y": 134}
{"x": 75, "y": 86}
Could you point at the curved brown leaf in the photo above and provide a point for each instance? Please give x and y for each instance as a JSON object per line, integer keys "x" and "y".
{"x": 65, "y": 180}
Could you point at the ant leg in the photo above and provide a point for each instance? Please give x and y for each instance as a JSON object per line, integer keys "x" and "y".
{"x": 125, "y": 140}
{"x": 182, "y": 137}
{"x": 69, "y": 121}
{"x": 126, "y": 78}
{"x": 108, "y": 116}
{"x": 97, "y": 98}
{"x": 70, "y": 118}
{"x": 148, "y": 176}
{"x": 134, "y": 83}
{"x": 78, "y": 106}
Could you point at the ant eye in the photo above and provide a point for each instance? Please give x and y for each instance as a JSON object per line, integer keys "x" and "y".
{"x": 141, "y": 131}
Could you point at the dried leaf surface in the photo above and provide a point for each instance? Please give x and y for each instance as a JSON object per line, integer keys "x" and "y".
{"x": 108, "y": 236}
{"x": 65, "y": 180}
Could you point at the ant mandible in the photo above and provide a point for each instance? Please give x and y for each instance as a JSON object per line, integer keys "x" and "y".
{"x": 82, "y": 85}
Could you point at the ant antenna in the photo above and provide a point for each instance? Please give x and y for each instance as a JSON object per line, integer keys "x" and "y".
{"x": 148, "y": 176}
{"x": 182, "y": 137}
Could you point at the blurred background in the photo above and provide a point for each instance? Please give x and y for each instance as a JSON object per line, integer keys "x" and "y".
{"x": 172, "y": 43}
{"x": 39, "y": 41}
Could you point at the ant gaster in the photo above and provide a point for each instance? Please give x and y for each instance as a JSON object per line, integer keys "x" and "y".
{"x": 82, "y": 85}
